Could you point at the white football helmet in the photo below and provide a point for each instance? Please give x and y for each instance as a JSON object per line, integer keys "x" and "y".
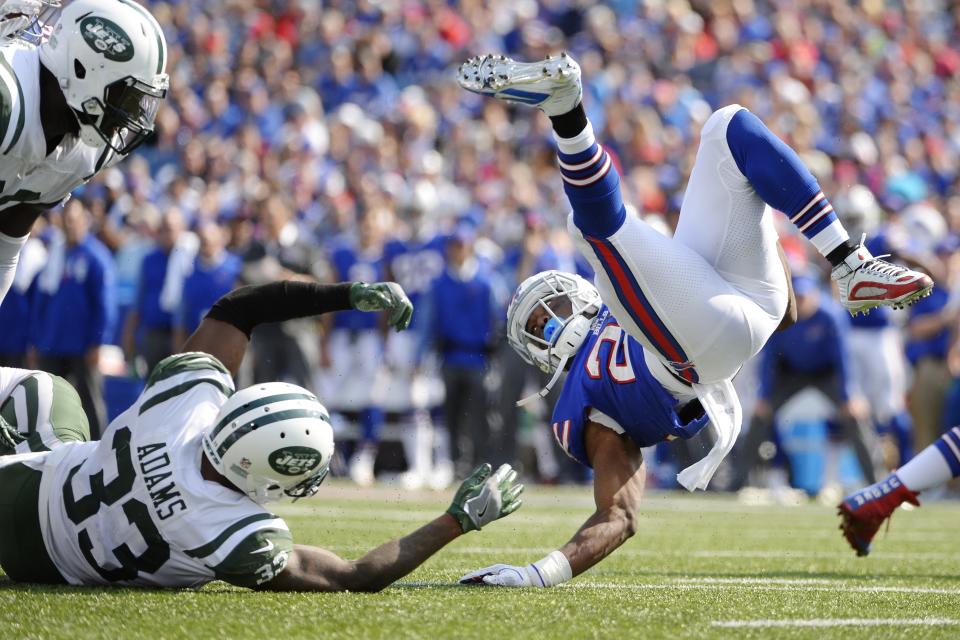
{"x": 563, "y": 334}
{"x": 109, "y": 57}
{"x": 271, "y": 440}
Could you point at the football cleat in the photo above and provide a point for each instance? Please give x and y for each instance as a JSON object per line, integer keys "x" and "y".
{"x": 552, "y": 85}
{"x": 863, "y": 512}
{"x": 866, "y": 282}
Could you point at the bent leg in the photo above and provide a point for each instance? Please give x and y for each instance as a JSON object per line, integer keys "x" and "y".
{"x": 44, "y": 411}
{"x": 662, "y": 292}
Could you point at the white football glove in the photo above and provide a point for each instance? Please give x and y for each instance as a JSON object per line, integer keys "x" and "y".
{"x": 16, "y": 15}
{"x": 502, "y": 575}
{"x": 546, "y": 572}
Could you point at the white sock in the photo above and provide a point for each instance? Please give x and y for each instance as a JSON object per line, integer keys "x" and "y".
{"x": 9, "y": 257}
{"x": 934, "y": 465}
{"x": 579, "y": 143}
{"x": 829, "y": 238}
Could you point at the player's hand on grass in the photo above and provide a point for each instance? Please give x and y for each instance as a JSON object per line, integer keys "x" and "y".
{"x": 383, "y": 296}
{"x": 483, "y": 498}
{"x": 501, "y": 575}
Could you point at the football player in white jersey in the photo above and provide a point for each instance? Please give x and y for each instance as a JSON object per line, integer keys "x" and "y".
{"x": 76, "y": 96}
{"x": 174, "y": 494}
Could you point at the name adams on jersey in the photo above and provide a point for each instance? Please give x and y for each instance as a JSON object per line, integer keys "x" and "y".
{"x": 134, "y": 509}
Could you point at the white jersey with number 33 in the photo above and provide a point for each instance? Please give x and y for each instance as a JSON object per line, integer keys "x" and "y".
{"x": 133, "y": 509}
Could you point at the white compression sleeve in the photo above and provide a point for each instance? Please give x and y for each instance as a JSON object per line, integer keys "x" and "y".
{"x": 550, "y": 571}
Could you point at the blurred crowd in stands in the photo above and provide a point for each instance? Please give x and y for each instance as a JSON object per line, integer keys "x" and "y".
{"x": 328, "y": 140}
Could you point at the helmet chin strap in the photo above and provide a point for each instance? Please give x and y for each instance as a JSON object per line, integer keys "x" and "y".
{"x": 543, "y": 392}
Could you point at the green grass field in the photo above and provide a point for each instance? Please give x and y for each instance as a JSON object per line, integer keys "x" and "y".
{"x": 700, "y": 567}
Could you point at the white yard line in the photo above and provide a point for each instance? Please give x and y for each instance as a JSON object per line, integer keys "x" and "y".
{"x": 710, "y": 584}
{"x": 837, "y": 622}
{"x": 723, "y": 553}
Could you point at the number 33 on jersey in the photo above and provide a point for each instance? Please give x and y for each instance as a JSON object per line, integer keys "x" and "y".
{"x": 134, "y": 509}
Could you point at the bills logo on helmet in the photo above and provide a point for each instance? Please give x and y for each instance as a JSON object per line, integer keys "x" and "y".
{"x": 108, "y": 38}
{"x": 293, "y": 461}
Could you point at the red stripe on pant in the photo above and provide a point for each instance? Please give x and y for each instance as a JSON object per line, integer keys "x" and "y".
{"x": 661, "y": 341}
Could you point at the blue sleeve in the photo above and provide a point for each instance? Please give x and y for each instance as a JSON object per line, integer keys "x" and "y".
{"x": 768, "y": 361}
{"x": 101, "y": 294}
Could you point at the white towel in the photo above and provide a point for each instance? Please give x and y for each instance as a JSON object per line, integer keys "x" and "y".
{"x": 179, "y": 266}
{"x": 720, "y": 401}
{"x": 52, "y": 274}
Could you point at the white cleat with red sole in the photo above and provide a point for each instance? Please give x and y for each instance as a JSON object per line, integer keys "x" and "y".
{"x": 866, "y": 282}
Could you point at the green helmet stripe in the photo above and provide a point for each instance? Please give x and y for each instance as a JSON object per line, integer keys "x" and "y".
{"x": 255, "y": 404}
{"x": 6, "y": 97}
{"x": 161, "y": 48}
{"x": 269, "y": 418}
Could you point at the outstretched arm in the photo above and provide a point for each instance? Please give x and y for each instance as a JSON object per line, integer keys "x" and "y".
{"x": 481, "y": 499}
{"x": 225, "y": 331}
{"x": 618, "y": 482}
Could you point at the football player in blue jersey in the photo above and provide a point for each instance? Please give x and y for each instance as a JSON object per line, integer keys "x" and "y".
{"x": 353, "y": 346}
{"x": 413, "y": 389}
{"x": 651, "y": 350}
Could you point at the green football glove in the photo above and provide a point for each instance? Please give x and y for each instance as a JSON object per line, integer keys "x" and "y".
{"x": 483, "y": 498}
{"x": 383, "y": 296}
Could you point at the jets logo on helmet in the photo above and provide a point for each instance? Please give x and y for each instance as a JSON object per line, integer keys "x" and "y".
{"x": 294, "y": 461}
{"x": 109, "y": 57}
{"x": 107, "y": 38}
{"x": 271, "y": 440}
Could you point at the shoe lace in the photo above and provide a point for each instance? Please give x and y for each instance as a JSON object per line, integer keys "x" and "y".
{"x": 881, "y": 267}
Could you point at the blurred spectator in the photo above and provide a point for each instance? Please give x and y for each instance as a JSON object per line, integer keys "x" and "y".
{"x": 215, "y": 272}
{"x": 148, "y": 333}
{"x": 74, "y": 310}
{"x": 812, "y": 353}
{"x": 877, "y": 357}
{"x": 928, "y": 341}
{"x": 15, "y": 309}
{"x": 462, "y": 318}
{"x": 283, "y": 351}
{"x": 353, "y": 345}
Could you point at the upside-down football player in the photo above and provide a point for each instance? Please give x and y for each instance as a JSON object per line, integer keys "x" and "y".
{"x": 650, "y": 352}
{"x": 174, "y": 494}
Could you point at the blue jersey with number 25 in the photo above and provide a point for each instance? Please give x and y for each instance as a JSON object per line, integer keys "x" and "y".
{"x": 609, "y": 374}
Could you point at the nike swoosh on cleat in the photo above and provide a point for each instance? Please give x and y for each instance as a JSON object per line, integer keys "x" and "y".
{"x": 264, "y": 549}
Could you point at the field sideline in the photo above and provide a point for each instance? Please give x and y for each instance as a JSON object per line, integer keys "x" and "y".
{"x": 699, "y": 567}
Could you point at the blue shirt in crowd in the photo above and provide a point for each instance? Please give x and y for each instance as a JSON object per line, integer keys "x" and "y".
{"x": 204, "y": 286}
{"x": 354, "y": 266}
{"x": 81, "y": 311}
{"x": 814, "y": 345}
{"x": 152, "y": 274}
{"x": 15, "y": 321}
{"x": 937, "y": 345}
{"x": 461, "y": 316}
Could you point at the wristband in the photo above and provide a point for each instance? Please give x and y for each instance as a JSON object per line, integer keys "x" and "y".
{"x": 550, "y": 571}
